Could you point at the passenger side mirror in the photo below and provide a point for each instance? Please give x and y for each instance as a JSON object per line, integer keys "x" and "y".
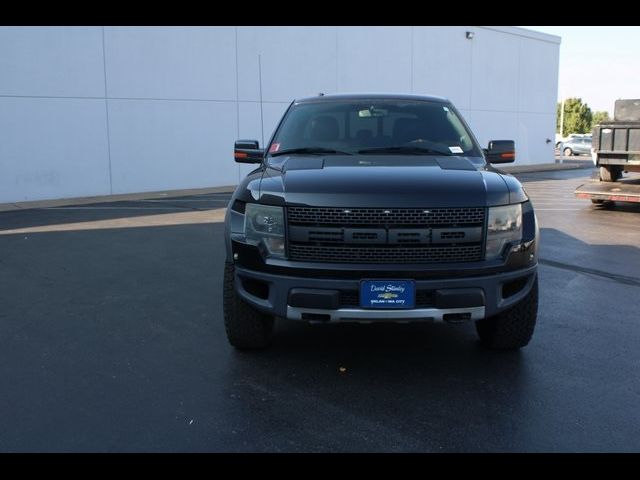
{"x": 500, "y": 151}
{"x": 248, "y": 151}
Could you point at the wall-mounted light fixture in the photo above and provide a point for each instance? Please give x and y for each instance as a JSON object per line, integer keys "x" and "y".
{"x": 470, "y": 35}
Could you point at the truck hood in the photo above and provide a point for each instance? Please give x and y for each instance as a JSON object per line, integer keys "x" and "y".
{"x": 398, "y": 181}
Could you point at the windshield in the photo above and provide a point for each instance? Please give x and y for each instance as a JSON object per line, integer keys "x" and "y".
{"x": 397, "y": 127}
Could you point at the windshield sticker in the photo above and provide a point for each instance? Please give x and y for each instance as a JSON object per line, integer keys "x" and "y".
{"x": 455, "y": 150}
{"x": 274, "y": 147}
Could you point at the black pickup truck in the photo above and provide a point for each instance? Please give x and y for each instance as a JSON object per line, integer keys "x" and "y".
{"x": 368, "y": 208}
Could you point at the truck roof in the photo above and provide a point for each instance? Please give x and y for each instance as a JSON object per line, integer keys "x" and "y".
{"x": 370, "y": 96}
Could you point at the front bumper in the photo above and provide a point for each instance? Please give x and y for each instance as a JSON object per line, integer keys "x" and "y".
{"x": 495, "y": 294}
{"x": 361, "y": 315}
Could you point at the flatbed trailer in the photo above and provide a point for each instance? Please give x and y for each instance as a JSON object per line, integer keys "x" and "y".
{"x": 602, "y": 192}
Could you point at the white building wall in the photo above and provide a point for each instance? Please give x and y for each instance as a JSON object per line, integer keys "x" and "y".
{"x": 93, "y": 110}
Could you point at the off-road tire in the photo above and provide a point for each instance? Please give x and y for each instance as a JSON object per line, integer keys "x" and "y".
{"x": 513, "y": 328}
{"x": 246, "y": 328}
{"x": 610, "y": 173}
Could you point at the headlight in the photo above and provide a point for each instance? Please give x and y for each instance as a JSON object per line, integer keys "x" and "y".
{"x": 264, "y": 226}
{"x": 504, "y": 226}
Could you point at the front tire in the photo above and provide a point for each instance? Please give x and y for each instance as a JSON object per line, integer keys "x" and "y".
{"x": 246, "y": 328}
{"x": 513, "y": 328}
{"x": 567, "y": 152}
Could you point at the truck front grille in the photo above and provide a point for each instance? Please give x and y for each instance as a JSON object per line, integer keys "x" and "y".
{"x": 386, "y": 236}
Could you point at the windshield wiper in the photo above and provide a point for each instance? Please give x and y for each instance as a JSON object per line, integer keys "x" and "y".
{"x": 407, "y": 149}
{"x": 311, "y": 151}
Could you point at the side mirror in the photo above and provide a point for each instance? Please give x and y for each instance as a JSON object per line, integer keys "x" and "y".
{"x": 500, "y": 151}
{"x": 248, "y": 151}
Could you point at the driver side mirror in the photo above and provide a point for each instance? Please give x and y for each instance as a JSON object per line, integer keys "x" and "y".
{"x": 248, "y": 151}
{"x": 500, "y": 151}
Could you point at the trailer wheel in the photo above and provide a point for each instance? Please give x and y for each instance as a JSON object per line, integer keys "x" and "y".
{"x": 567, "y": 152}
{"x": 610, "y": 173}
{"x": 603, "y": 203}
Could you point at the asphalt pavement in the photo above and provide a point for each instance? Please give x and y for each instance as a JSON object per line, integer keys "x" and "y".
{"x": 112, "y": 339}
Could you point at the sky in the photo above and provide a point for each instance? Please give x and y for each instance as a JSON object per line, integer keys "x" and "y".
{"x": 598, "y": 64}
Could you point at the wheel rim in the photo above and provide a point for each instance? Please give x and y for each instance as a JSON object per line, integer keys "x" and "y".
{"x": 567, "y": 152}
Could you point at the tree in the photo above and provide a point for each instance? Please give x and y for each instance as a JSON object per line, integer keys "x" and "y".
{"x": 577, "y": 117}
{"x": 599, "y": 117}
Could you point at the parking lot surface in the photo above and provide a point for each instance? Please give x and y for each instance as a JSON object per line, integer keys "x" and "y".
{"x": 112, "y": 339}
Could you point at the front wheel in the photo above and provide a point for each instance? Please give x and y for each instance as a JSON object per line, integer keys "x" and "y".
{"x": 246, "y": 328}
{"x": 513, "y": 328}
{"x": 567, "y": 152}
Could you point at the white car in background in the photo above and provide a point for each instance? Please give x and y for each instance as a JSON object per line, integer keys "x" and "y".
{"x": 560, "y": 139}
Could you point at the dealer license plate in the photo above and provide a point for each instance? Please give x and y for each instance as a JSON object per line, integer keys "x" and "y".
{"x": 387, "y": 294}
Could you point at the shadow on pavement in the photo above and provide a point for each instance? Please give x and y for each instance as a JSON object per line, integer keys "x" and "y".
{"x": 616, "y": 262}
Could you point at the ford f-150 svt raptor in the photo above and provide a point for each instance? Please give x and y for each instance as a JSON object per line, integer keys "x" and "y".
{"x": 373, "y": 207}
